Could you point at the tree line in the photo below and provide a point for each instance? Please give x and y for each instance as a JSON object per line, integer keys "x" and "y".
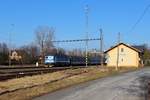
{"x": 36, "y": 51}
{"x": 43, "y": 45}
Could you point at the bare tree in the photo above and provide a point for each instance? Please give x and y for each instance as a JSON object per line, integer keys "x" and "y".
{"x": 44, "y": 37}
{"x": 76, "y": 52}
{"x": 29, "y": 53}
{"x": 61, "y": 51}
{"x": 3, "y": 53}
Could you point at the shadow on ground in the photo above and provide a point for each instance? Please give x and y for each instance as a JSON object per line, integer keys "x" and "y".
{"x": 140, "y": 87}
{"x": 144, "y": 81}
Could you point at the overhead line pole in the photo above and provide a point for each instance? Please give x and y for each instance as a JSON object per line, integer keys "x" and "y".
{"x": 101, "y": 46}
{"x": 10, "y": 47}
{"x": 87, "y": 25}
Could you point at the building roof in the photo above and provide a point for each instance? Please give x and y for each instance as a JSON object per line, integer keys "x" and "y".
{"x": 140, "y": 47}
{"x": 135, "y": 49}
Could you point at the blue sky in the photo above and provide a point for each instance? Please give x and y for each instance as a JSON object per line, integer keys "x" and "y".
{"x": 68, "y": 19}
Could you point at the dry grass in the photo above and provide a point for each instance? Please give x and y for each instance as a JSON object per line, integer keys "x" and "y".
{"x": 29, "y": 81}
{"x": 41, "y": 84}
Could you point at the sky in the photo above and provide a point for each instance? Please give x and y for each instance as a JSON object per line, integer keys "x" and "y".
{"x": 68, "y": 19}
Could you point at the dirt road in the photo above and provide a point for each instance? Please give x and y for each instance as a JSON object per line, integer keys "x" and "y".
{"x": 127, "y": 86}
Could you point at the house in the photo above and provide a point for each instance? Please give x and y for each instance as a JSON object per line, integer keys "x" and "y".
{"x": 123, "y": 55}
{"x": 15, "y": 56}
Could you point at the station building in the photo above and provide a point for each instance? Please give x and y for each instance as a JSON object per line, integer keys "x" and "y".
{"x": 123, "y": 55}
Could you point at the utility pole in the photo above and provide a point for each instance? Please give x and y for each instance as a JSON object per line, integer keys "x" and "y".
{"x": 87, "y": 25}
{"x": 118, "y": 51}
{"x": 12, "y": 25}
{"x": 101, "y": 46}
{"x": 9, "y": 49}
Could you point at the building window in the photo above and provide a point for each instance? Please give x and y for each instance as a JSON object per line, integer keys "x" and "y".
{"x": 122, "y": 49}
{"x": 122, "y": 59}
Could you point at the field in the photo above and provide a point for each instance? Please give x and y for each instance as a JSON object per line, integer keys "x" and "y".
{"x": 31, "y": 86}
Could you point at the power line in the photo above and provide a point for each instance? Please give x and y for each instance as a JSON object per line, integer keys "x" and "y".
{"x": 140, "y": 18}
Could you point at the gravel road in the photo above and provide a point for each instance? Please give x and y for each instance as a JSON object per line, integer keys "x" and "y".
{"x": 127, "y": 86}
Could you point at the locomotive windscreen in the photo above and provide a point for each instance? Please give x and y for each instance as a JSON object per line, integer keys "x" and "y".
{"x": 49, "y": 59}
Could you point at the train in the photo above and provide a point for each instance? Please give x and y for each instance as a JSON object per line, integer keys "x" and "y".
{"x": 64, "y": 60}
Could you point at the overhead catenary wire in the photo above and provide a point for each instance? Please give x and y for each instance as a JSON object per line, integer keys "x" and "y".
{"x": 77, "y": 40}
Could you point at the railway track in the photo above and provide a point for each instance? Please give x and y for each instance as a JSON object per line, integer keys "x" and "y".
{"x": 17, "y": 72}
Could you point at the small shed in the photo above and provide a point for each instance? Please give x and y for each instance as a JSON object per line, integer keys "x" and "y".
{"x": 123, "y": 55}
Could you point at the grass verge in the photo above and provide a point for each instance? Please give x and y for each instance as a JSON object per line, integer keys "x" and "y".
{"x": 28, "y": 87}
